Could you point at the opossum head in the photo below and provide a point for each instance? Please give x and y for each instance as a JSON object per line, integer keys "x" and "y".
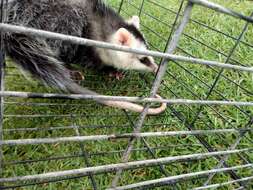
{"x": 130, "y": 36}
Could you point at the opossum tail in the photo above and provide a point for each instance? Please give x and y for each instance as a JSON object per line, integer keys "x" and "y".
{"x": 36, "y": 57}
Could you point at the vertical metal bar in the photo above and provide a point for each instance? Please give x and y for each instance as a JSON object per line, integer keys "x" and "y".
{"x": 216, "y": 82}
{"x": 233, "y": 147}
{"x": 2, "y": 63}
{"x": 141, "y": 8}
{"x": 173, "y": 27}
{"x": 2, "y": 66}
{"x": 145, "y": 143}
{"x": 170, "y": 35}
{"x": 161, "y": 72}
{"x": 162, "y": 168}
{"x": 151, "y": 151}
{"x": 222, "y": 70}
{"x": 120, "y": 6}
{"x": 84, "y": 153}
{"x": 202, "y": 140}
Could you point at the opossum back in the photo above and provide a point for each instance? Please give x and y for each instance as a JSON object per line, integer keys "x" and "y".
{"x": 55, "y": 16}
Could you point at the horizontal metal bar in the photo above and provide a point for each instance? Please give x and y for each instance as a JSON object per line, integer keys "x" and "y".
{"x": 209, "y": 86}
{"x": 178, "y": 177}
{"x": 206, "y": 124}
{"x": 92, "y": 86}
{"x": 17, "y": 186}
{"x": 197, "y": 96}
{"x": 224, "y": 183}
{"x": 128, "y": 165}
{"x": 184, "y": 34}
{"x": 117, "y": 136}
{"x": 42, "y": 104}
{"x": 32, "y": 116}
{"x": 200, "y": 23}
{"x": 99, "y": 154}
{"x": 11, "y": 130}
{"x": 36, "y": 184}
{"x": 99, "y": 44}
{"x": 216, "y": 91}
{"x": 121, "y": 98}
{"x": 222, "y": 9}
{"x": 240, "y": 188}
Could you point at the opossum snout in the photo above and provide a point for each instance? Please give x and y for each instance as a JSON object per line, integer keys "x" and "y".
{"x": 154, "y": 67}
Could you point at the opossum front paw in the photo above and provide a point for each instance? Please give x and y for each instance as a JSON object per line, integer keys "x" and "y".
{"x": 117, "y": 74}
{"x": 76, "y": 75}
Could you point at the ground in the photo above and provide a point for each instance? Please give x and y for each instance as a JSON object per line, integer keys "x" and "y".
{"x": 182, "y": 80}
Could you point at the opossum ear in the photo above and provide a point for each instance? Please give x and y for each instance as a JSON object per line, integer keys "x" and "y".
{"x": 123, "y": 36}
{"x": 135, "y": 20}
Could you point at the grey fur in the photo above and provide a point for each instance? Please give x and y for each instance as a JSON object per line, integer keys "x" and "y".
{"x": 83, "y": 18}
{"x": 47, "y": 59}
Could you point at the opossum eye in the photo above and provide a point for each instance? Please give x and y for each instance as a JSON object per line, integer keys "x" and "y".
{"x": 146, "y": 61}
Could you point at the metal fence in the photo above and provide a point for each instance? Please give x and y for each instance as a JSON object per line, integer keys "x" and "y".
{"x": 202, "y": 141}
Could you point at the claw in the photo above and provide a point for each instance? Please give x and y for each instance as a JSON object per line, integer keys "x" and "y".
{"x": 117, "y": 74}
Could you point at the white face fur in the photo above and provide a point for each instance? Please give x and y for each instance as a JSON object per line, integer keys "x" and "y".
{"x": 128, "y": 61}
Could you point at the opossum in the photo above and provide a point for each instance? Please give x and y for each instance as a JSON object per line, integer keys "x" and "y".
{"x": 49, "y": 60}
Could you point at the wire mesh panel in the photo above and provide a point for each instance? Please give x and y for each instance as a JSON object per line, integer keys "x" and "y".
{"x": 203, "y": 140}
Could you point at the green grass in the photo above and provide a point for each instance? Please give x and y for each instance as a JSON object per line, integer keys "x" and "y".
{"x": 178, "y": 83}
